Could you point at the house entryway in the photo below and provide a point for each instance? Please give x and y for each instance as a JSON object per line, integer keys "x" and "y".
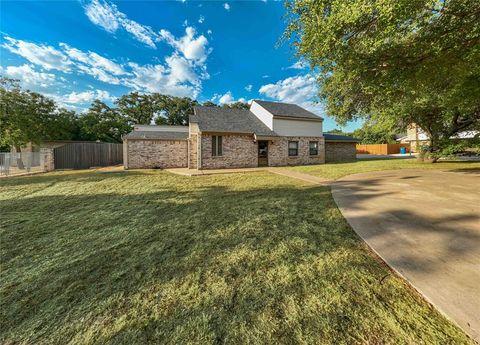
{"x": 262, "y": 153}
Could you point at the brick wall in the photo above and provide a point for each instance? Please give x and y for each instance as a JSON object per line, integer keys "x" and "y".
{"x": 47, "y": 159}
{"x": 156, "y": 153}
{"x": 193, "y": 149}
{"x": 278, "y": 151}
{"x": 340, "y": 152}
{"x": 239, "y": 151}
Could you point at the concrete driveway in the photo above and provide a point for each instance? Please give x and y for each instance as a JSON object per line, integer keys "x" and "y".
{"x": 425, "y": 225}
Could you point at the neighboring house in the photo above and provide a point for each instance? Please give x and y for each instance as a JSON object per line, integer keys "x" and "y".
{"x": 417, "y": 138}
{"x": 267, "y": 134}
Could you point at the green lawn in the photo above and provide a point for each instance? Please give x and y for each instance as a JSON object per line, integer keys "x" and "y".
{"x": 150, "y": 257}
{"x": 337, "y": 170}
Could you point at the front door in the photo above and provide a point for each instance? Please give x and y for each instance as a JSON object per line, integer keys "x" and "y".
{"x": 263, "y": 153}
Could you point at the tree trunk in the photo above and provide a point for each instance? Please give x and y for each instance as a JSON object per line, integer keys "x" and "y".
{"x": 431, "y": 157}
{"x": 19, "y": 157}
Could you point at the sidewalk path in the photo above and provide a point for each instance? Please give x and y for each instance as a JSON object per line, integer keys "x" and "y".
{"x": 275, "y": 170}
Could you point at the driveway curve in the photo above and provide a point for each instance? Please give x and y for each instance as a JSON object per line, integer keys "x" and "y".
{"x": 426, "y": 225}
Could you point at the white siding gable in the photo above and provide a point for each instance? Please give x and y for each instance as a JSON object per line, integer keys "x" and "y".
{"x": 297, "y": 128}
{"x": 260, "y": 112}
{"x": 287, "y": 127}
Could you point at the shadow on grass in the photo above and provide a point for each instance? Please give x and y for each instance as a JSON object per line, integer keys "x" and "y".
{"x": 213, "y": 262}
{"x": 65, "y": 175}
{"x": 475, "y": 171}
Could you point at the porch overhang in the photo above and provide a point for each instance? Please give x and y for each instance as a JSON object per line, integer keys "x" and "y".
{"x": 264, "y": 137}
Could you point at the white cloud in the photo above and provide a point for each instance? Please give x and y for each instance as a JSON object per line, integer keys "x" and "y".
{"x": 228, "y": 98}
{"x": 100, "y": 74}
{"x": 79, "y": 101}
{"x": 181, "y": 73}
{"x": 87, "y": 96}
{"x": 177, "y": 77}
{"x": 301, "y": 64}
{"x": 107, "y": 16}
{"x": 226, "y": 6}
{"x": 301, "y": 90}
{"x": 249, "y": 87}
{"x": 265, "y": 76}
{"x": 201, "y": 19}
{"x": 29, "y": 77}
{"x": 92, "y": 59}
{"x": 102, "y": 14}
{"x": 192, "y": 48}
{"x": 39, "y": 54}
{"x": 209, "y": 31}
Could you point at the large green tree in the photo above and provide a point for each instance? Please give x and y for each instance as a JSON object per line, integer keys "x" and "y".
{"x": 103, "y": 123}
{"x": 137, "y": 108}
{"x": 171, "y": 110}
{"x": 407, "y": 60}
{"x": 237, "y": 105}
{"x": 27, "y": 116}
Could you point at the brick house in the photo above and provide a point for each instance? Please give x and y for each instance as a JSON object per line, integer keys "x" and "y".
{"x": 267, "y": 134}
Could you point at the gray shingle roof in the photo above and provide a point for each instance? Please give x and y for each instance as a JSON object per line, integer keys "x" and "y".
{"x": 157, "y": 135}
{"x": 287, "y": 110}
{"x": 216, "y": 119}
{"x": 338, "y": 137}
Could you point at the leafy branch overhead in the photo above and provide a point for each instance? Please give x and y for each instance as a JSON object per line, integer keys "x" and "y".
{"x": 410, "y": 61}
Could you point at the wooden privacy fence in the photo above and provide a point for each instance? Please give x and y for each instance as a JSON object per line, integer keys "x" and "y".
{"x": 87, "y": 155}
{"x": 381, "y": 149}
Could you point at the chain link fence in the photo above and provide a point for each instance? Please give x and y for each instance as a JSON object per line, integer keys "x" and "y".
{"x": 12, "y": 164}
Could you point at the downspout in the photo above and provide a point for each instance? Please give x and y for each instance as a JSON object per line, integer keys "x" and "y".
{"x": 188, "y": 150}
{"x": 199, "y": 150}
{"x": 125, "y": 154}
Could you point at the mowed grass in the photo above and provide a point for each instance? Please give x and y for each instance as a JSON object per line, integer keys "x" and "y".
{"x": 337, "y": 170}
{"x": 147, "y": 257}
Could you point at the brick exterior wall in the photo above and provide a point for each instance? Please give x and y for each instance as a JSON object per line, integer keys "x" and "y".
{"x": 47, "y": 159}
{"x": 340, "y": 152}
{"x": 278, "y": 151}
{"x": 192, "y": 151}
{"x": 239, "y": 151}
{"x": 156, "y": 153}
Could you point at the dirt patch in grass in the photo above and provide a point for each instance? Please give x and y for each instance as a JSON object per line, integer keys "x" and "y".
{"x": 149, "y": 257}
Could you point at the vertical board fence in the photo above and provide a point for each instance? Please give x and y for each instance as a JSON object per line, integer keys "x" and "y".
{"x": 381, "y": 149}
{"x": 87, "y": 155}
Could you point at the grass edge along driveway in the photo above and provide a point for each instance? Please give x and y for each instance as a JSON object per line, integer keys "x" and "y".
{"x": 335, "y": 171}
{"x": 149, "y": 257}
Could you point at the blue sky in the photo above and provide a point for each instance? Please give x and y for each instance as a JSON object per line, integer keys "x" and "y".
{"x": 76, "y": 51}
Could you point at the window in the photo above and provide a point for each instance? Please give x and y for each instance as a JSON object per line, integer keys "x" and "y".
{"x": 293, "y": 148}
{"x": 217, "y": 147}
{"x": 313, "y": 148}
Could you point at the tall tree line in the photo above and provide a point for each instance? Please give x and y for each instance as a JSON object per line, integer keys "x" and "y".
{"x": 27, "y": 116}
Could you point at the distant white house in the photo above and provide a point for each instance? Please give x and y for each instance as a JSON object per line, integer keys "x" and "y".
{"x": 416, "y": 137}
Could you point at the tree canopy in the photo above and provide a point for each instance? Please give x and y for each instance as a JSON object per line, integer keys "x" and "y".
{"x": 410, "y": 61}
{"x": 31, "y": 117}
